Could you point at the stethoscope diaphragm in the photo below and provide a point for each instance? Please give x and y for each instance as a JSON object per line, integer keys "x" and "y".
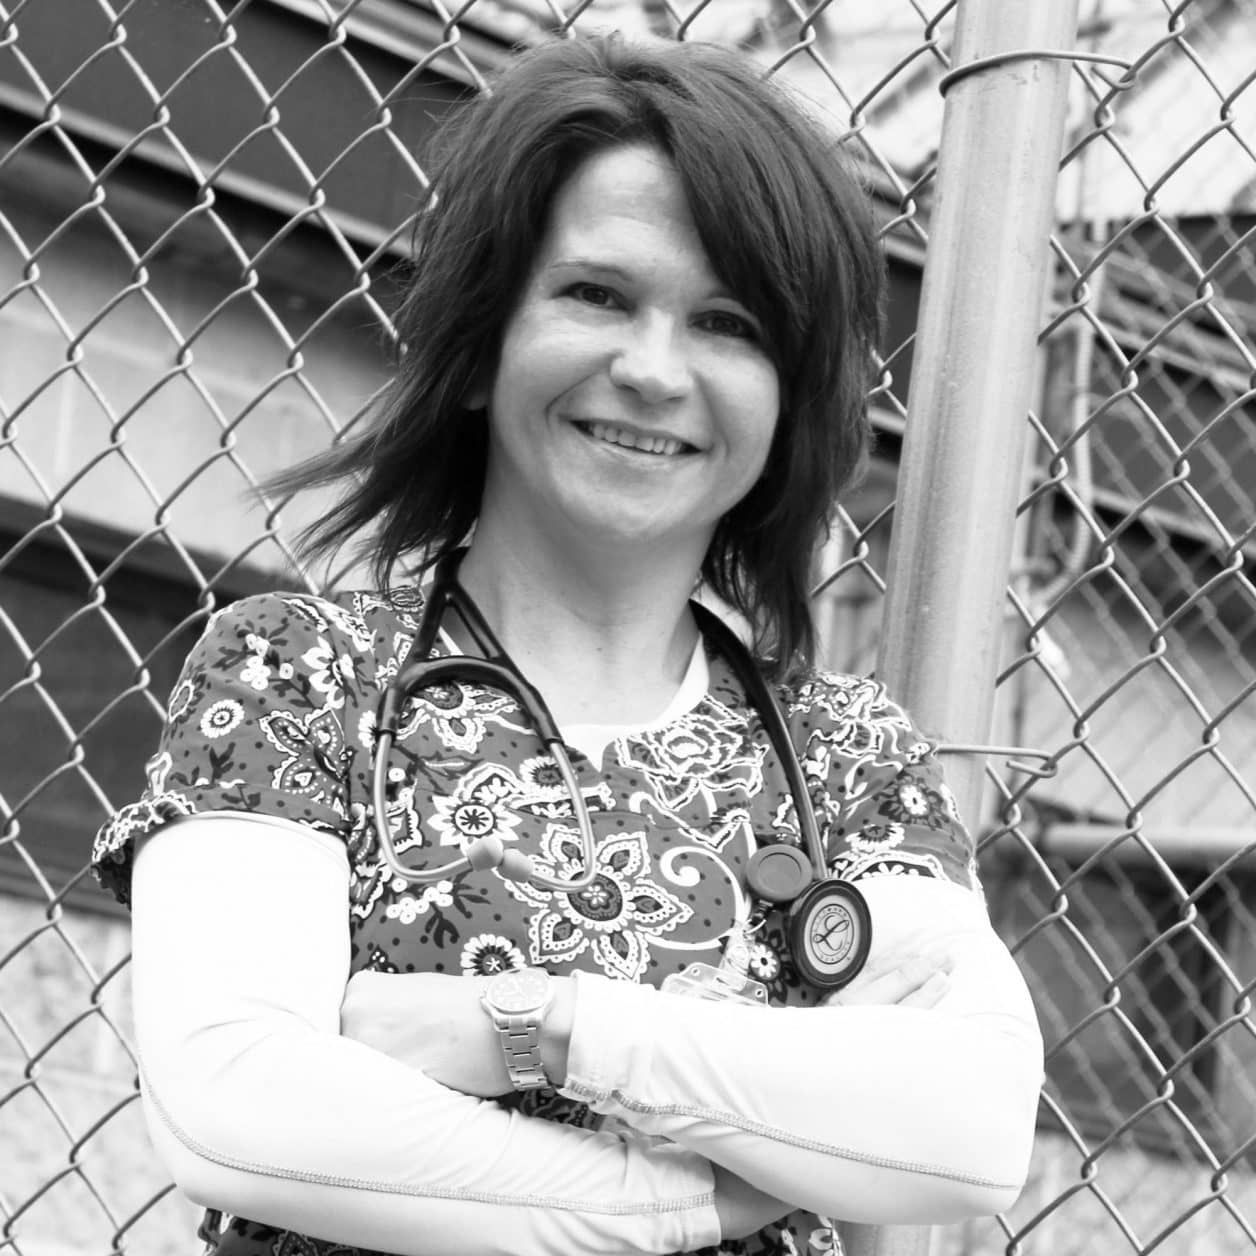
{"x": 830, "y": 931}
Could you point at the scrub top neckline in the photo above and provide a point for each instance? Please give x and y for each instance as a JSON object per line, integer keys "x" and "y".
{"x": 591, "y": 740}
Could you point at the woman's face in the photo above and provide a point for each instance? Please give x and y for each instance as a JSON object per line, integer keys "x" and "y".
{"x": 633, "y": 401}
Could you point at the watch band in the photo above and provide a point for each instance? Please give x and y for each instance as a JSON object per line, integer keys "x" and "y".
{"x": 516, "y": 1000}
{"x": 521, "y": 1043}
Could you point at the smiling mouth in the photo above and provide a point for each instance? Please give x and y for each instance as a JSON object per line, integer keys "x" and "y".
{"x": 639, "y": 442}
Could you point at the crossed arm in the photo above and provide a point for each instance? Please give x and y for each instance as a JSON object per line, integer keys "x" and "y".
{"x": 263, "y": 1104}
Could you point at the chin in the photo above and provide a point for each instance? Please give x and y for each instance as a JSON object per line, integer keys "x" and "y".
{"x": 647, "y": 536}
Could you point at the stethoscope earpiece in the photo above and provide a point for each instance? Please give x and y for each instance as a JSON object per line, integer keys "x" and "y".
{"x": 489, "y": 854}
{"x": 515, "y": 866}
{"x": 485, "y": 853}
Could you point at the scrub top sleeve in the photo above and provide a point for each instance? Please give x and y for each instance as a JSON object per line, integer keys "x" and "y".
{"x": 885, "y": 803}
{"x": 253, "y": 724}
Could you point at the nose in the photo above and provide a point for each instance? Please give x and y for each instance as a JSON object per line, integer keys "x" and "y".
{"x": 652, "y": 362}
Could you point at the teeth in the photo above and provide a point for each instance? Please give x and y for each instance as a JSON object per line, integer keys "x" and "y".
{"x": 647, "y": 444}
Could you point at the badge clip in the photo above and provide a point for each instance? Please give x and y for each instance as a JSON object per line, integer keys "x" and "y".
{"x": 724, "y": 985}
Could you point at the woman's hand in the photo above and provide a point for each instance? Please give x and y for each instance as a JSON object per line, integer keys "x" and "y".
{"x": 920, "y": 981}
{"x": 431, "y": 1021}
{"x": 743, "y": 1209}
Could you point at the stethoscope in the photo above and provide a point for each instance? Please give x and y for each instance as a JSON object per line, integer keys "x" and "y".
{"x": 829, "y": 926}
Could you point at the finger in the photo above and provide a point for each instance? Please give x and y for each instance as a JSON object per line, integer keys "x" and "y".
{"x": 930, "y": 994}
{"x": 889, "y": 987}
{"x": 885, "y": 966}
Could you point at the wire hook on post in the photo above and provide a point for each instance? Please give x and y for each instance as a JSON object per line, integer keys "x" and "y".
{"x": 1013, "y": 754}
{"x": 951, "y": 77}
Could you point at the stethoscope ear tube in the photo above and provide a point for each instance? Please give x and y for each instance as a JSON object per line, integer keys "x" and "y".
{"x": 485, "y": 853}
{"x": 763, "y": 702}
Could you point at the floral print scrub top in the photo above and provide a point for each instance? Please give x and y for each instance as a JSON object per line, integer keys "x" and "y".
{"x": 274, "y": 712}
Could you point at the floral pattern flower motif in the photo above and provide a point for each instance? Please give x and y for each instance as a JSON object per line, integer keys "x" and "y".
{"x": 913, "y": 801}
{"x": 765, "y": 963}
{"x": 316, "y": 757}
{"x": 613, "y": 920}
{"x": 404, "y": 601}
{"x": 877, "y": 861}
{"x": 770, "y": 962}
{"x": 704, "y": 751}
{"x": 597, "y": 797}
{"x": 487, "y": 954}
{"x": 546, "y": 1103}
{"x": 187, "y": 693}
{"x": 827, "y": 1240}
{"x": 325, "y": 615}
{"x": 877, "y": 839}
{"x": 221, "y": 718}
{"x": 785, "y": 824}
{"x": 290, "y": 1244}
{"x": 478, "y": 807}
{"x": 854, "y": 739}
{"x": 841, "y": 698}
{"x": 542, "y": 779}
{"x": 407, "y": 909}
{"x": 329, "y": 672}
{"x": 404, "y": 821}
{"x": 255, "y": 673}
{"x": 378, "y": 961}
{"x": 456, "y": 712}
{"x": 156, "y": 770}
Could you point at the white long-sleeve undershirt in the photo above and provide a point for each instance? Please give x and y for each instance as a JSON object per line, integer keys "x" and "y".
{"x": 259, "y": 1107}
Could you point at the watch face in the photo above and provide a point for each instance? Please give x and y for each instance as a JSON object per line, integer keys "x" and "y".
{"x": 520, "y": 990}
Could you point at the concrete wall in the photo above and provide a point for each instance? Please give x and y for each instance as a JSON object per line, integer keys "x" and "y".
{"x": 121, "y": 408}
{"x": 74, "y": 1154}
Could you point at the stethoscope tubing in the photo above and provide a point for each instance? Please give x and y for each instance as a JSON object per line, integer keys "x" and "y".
{"x": 497, "y": 671}
{"x": 768, "y": 710}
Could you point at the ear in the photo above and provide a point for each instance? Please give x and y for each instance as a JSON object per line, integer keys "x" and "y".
{"x": 481, "y": 387}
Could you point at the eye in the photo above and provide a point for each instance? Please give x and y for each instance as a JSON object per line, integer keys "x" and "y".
{"x": 726, "y": 323}
{"x": 592, "y": 294}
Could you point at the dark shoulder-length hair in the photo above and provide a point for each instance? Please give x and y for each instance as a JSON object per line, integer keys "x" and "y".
{"x": 786, "y": 227}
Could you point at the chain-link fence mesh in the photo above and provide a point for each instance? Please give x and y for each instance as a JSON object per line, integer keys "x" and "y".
{"x": 203, "y": 213}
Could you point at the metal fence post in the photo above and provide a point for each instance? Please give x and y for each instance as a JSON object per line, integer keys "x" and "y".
{"x": 971, "y": 386}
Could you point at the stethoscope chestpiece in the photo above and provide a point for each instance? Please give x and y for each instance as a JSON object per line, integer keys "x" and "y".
{"x": 830, "y": 931}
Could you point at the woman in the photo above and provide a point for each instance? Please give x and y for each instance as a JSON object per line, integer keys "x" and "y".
{"x": 637, "y": 341}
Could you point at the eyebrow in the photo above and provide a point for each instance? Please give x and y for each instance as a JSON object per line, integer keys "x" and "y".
{"x": 720, "y": 293}
{"x": 588, "y": 263}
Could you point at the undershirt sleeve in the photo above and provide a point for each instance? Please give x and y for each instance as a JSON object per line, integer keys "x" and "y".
{"x": 259, "y": 1107}
{"x": 879, "y": 1114}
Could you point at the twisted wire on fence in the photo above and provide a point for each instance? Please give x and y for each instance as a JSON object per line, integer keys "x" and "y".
{"x": 203, "y": 221}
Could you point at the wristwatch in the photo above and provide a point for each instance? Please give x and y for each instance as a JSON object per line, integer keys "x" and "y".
{"x": 516, "y": 1000}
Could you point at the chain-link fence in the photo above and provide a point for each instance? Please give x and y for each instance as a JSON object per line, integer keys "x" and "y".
{"x": 203, "y": 212}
